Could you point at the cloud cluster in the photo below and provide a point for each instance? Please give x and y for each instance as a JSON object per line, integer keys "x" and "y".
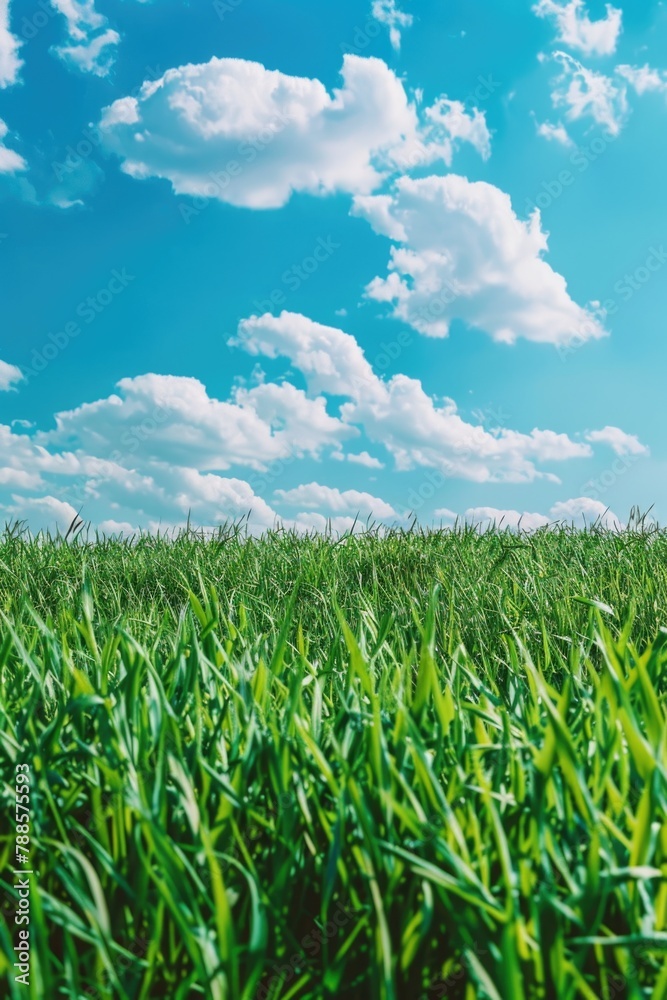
{"x": 620, "y": 442}
{"x": 415, "y": 428}
{"x": 580, "y": 512}
{"x": 576, "y": 29}
{"x": 554, "y": 133}
{"x": 586, "y": 93}
{"x": 388, "y": 13}
{"x": 172, "y": 418}
{"x": 91, "y": 44}
{"x": 644, "y": 79}
{"x": 161, "y": 448}
{"x": 10, "y": 63}
{"x": 464, "y": 254}
{"x": 11, "y": 162}
{"x": 234, "y": 130}
{"x": 10, "y": 375}
{"x": 313, "y": 496}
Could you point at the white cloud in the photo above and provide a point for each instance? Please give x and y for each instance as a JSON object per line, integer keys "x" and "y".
{"x": 233, "y": 130}
{"x": 9, "y": 375}
{"x": 91, "y": 44}
{"x": 41, "y": 513}
{"x": 445, "y": 514}
{"x": 512, "y": 519}
{"x": 168, "y": 418}
{"x": 618, "y": 440}
{"x": 586, "y": 511}
{"x": 467, "y": 256}
{"x": 154, "y": 451}
{"x": 578, "y": 31}
{"x": 387, "y": 12}
{"x": 111, "y": 527}
{"x": 10, "y": 63}
{"x": 644, "y": 79}
{"x": 134, "y": 483}
{"x": 11, "y": 162}
{"x": 554, "y": 133}
{"x": 579, "y": 512}
{"x": 317, "y": 497}
{"x": 331, "y": 360}
{"x": 451, "y": 124}
{"x": 214, "y": 499}
{"x": 585, "y": 93}
{"x": 161, "y": 449}
{"x": 363, "y": 458}
{"x": 415, "y": 428}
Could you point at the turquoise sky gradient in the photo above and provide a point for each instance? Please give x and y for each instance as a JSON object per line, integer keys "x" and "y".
{"x": 114, "y": 266}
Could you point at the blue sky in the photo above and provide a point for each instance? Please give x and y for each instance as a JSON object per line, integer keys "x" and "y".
{"x": 305, "y": 262}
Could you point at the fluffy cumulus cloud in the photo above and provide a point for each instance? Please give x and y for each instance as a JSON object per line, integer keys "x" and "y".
{"x": 314, "y": 496}
{"x": 464, "y": 254}
{"x": 161, "y": 449}
{"x": 10, "y": 63}
{"x": 576, "y": 29}
{"x": 580, "y": 512}
{"x": 587, "y": 511}
{"x": 154, "y": 452}
{"x": 585, "y": 93}
{"x": 387, "y": 12}
{"x": 418, "y": 430}
{"x": 172, "y": 419}
{"x": 618, "y": 440}
{"x": 91, "y": 44}
{"x": 48, "y": 514}
{"x": 10, "y": 375}
{"x": 236, "y": 131}
{"x": 45, "y": 485}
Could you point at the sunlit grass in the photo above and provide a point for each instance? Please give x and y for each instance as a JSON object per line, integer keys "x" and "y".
{"x": 418, "y": 765}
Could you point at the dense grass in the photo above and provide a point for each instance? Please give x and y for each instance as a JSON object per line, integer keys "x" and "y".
{"x": 411, "y": 766}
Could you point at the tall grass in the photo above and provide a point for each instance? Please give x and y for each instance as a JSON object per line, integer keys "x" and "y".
{"x": 412, "y": 766}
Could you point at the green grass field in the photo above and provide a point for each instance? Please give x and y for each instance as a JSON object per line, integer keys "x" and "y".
{"x": 414, "y": 766}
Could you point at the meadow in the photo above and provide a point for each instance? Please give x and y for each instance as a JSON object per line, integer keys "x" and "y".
{"x": 405, "y": 765}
